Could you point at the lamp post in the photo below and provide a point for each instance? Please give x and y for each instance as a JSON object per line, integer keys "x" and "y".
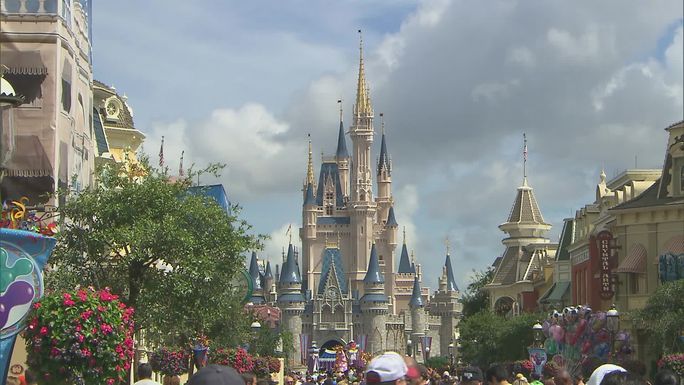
{"x": 255, "y": 326}
{"x": 409, "y": 348}
{"x": 9, "y": 100}
{"x": 612, "y": 324}
{"x": 538, "y": 334}
{"x": 451, "y": 355}
{"x": 459, "y": 351}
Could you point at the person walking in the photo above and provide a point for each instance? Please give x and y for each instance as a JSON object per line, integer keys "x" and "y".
{"x": 145, "y": 375}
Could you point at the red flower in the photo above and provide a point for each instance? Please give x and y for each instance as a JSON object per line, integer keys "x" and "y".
{"x": 44, "y": 331}
{"x": 36, "y": 305}
{"x": 83, "y": 295}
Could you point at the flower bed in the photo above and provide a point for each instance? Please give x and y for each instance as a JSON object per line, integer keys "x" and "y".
{"x": 84, "y": 334}
{"x": 674, "y": 362}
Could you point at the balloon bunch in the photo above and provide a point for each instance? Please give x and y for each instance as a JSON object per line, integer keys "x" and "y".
{"x": 577, "y": 332}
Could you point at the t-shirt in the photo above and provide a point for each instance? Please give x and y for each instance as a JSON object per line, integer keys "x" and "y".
{"x": 146, "y": 381}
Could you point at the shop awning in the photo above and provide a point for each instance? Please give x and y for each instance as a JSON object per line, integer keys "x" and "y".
{"x": 29, "y": 158}
{"x": 556, "y": 293}
{"x": 23, "y": 63}
{"x": 635, "y": 261}
{"x": 674, "y": 246}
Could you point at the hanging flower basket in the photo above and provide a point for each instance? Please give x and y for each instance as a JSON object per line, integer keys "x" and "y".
{"x": 674, "y": 362}
{"x": 169, "y": 362}
{"x": 83, "y": 336}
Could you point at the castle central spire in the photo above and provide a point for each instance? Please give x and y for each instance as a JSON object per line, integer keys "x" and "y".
{"x": 363, "y": 104}
{"x": 309, "y": 166}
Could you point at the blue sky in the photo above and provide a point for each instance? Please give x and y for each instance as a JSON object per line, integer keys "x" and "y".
{"x": 592, "y": 84}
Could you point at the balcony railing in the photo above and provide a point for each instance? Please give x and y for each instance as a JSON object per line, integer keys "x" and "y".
{"x": 32, "y": 7}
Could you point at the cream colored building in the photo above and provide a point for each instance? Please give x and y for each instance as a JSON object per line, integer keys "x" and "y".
{"x": 45, "y": 51}
{"x": 646, "y": 227}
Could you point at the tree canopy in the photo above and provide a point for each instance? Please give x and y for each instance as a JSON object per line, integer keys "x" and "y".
{"x": 476, "y": 298}
{"x": 169, "y": 254}
{"x": 662, "y": 319}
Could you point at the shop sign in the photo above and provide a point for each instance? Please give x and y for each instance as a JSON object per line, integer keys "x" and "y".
{"x": 604, "y": 241}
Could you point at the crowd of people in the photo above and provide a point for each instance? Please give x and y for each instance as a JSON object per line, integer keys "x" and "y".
{"x": 391, "y": 368}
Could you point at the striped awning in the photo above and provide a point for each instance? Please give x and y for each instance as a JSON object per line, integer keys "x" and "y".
{"x": 635, "y": 262}
{"x": 674, "y": 246}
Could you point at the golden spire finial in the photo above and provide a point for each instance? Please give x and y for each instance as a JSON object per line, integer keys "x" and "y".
{"x": 363, "y": 106}
{"x": 448, "y": 245}
{"x": 309, "y": 167}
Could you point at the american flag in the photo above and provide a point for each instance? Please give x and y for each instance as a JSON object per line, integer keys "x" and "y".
{"x": 161, "y": 153}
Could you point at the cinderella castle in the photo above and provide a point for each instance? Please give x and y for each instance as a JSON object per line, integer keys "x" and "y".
{"x": 344, "y": 284}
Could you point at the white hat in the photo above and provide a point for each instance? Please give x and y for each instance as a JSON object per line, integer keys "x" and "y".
{"x": 445, "y": 374}
{"x": 601, "y": 371}
{"x": 389, "y": 366}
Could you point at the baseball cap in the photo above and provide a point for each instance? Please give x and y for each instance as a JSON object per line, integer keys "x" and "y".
{"x": 472, "y": 373}
{"x": 389, "y": 366}
{"x": 216, "y": 375}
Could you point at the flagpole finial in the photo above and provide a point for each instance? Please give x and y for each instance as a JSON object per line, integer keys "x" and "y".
{"x": 339, "y": 101}
{"x": 161, "y": 153}
{"x": 524, "y": 159}
{"x": 448, "y": 245}
{"x": 404, "y": 234}
{"x": 180, "y": 167}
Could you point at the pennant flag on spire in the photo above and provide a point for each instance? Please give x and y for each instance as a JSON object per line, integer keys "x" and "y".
{"x": 161, "y": 153}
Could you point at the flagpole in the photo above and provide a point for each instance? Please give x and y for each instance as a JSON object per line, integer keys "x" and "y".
{"x": 525, "y": 157}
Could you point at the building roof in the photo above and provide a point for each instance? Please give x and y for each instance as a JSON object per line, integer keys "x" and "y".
{"x": 525, "y": 208}
{"x": 254, "y": 272}
{"x": 125, "y": 118}
{"x": 373, "y": 275}
{"x": 290, "y": 272}
{"x": 291, "y": 297}
{"x": 650, "y": 197}
{"x": 451, "y": 282}
{"x": 566, "y": 239}
{"x": 384, "y": 162}
{"x": 557, "y": 293}
{"x": 332, "y": 269}
{"x": 416, "y": 296}
{"x": 506, "y": 273}
{"x": 329, "y": 170}
{"x": 309, "y": 198}
{"x": 374, "y": 297}
{"x": 405, "y": 266}
{"x": 342, "y": 152}
{"x": 391, "y": 220}
{"x": 268, "y": 273}
{"x": 213, "y": 191}
{"x": 333, "y": 220}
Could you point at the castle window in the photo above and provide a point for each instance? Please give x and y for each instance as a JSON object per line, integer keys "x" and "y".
{"x": 381, "y": 257}
{"x": 328, "y": 210}
{"x": 329, "y": 195}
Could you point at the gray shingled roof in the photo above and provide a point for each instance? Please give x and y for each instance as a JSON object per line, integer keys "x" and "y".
{"x": 567, "y": 235}
{"x": 451, "y": 282}
{"x": 329, "y": 169}
{"x": 384, "y": 157}
{"x": 268, "y": 273}
{"x": 332, "y": 266}
{"x": 506, "y": 273}
{"x": 525, "y": 208}
{"x": 309, "y": 199}
{"x": 290, "y": 271}
{"x": 254, "y": 272}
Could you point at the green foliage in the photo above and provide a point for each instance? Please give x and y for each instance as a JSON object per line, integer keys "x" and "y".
{"x": 662, "y": 319}
{"x": 81, "y": 334}
{"x": 438, "y": 363}
{"x": 169, "y": 254}
{"x": 487, "y": 338}
{"x": 476, "y": 298}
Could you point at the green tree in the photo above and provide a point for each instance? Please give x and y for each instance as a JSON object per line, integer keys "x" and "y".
{"x": 171, "y": 255}
{"x": 662, "y": 319}
{"x": 476, "y": 298}
{"x": 487, "y": 337}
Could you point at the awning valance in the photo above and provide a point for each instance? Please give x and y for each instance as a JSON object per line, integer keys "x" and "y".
{"x": 23, "y": 63}
{"x": 29, "y": 158}
{"x": 635, "y": 262}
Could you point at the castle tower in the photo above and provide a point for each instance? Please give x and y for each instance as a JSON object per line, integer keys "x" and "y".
{"x": 257, "y": 280}
{"x": 374, "y": 304}
{"x": 269, "y": 289}
{"x": 418, "y": 316}
{"x": 342, "y": 157}
{"x": 384, "y": 174}
{"x": 309, "y": 221}
{"x": 291, "y": 301}
{"x": 363, "y": 207}
{"x": 445, "y": 303}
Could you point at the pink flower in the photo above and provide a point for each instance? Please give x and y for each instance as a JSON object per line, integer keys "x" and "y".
{"x": 68, "y": 301}
{"x": 36, "y": 305}
{"x": 82, "y": 295}
{"x": 44, "y": 331}
{"x": 110, "y": 381}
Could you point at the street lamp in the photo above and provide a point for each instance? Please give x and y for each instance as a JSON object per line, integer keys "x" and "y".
{"x": 612, "y": 324}
{"x": 451, "y": 355}
{"x": 538, "y": 334}
{"x": 255, "y": 326}
{"x": 409, "y": 347}
{"x": 459, "y": 350}
{"x": 9, "y": 100}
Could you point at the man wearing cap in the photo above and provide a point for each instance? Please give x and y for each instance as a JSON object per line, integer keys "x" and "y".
{"x": 216, "y": 375}
{"x": 387, "y": 369}
{"x": 472, "y": 375}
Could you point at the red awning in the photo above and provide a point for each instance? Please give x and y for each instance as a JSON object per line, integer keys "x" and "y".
{"x": 674, "y": 246}
{"x": 635, "y": 262}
